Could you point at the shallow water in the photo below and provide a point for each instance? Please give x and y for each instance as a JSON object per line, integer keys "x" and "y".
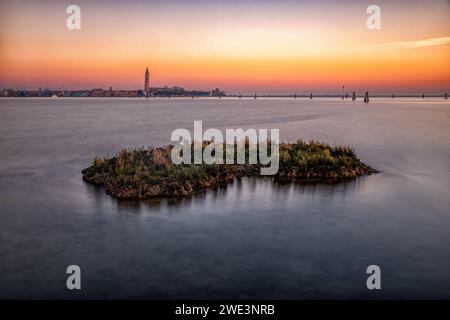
{"x": 253, "y": 239}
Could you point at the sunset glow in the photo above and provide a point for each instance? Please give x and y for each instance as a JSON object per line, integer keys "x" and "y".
{"x": 270, "y": 46}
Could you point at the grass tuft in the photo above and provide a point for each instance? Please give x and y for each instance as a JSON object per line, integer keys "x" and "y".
{"x": 149, "y": 172}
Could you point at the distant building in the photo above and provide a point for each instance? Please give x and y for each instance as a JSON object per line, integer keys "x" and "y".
{"x": 178, "y": 91}
{"x": 97, "y": 92}
{"x": 217, "y": 93}
{"x": 147, "y": 82}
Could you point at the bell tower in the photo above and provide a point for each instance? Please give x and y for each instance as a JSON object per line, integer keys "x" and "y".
{"x": 146, "y": 83}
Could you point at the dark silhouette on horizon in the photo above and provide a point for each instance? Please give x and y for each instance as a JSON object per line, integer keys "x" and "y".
{"x": 366, "y": 97}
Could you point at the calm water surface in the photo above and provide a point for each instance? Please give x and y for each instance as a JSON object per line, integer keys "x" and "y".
{"x": 253, "y": 239}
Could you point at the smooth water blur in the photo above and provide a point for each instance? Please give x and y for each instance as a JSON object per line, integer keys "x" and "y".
{"x": 253, "y": 239}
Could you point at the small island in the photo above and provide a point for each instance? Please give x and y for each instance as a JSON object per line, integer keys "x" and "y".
{"x": 149, "y": 172}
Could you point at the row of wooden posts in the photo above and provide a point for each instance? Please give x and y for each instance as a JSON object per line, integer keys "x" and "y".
{"x": 366, "y": 96}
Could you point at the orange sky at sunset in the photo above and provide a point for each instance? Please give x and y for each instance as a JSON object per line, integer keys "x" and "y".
{"x": 245, "y": 46}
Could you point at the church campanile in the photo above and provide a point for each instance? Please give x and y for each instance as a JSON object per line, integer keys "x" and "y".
{"x": 146, "y": 84}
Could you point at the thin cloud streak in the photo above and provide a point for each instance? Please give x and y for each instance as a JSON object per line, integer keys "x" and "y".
{"x": 441, "y": 41}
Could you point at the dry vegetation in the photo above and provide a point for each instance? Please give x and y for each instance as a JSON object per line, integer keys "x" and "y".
{"x": 149, "y": 172}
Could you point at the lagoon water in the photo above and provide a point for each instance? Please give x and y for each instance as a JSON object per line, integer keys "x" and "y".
{"x": 253, "y": 239}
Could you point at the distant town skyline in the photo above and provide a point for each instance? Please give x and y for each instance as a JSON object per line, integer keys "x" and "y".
{"x": 264, "y": 47}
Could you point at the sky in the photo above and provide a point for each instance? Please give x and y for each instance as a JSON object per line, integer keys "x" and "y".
{"x": 238, "y": 46}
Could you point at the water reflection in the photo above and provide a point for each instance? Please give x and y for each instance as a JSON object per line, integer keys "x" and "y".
{"x": 255, "y": 238}
{"x": 241, "y": 190}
